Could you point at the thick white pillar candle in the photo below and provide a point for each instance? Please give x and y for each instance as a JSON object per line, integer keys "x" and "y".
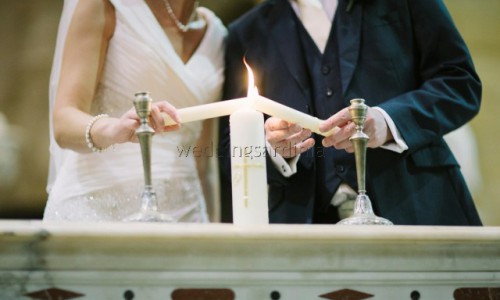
{"x": 207, "y": 111}
{"x": 248, "y": 167}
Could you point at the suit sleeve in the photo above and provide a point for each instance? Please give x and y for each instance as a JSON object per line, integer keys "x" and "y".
{"x": 450, "y": 90}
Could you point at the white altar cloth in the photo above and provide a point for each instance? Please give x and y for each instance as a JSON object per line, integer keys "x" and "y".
{"x": 223, "y": 261}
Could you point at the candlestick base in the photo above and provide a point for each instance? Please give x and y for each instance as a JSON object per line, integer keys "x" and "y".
{"x": 149, "y": 216}
{"x": 149, "y": 209}
{"x": 363, "y": 219}
{"x": 363, "y": 214}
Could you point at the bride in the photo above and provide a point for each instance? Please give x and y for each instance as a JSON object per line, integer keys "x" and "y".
{"x": 107, "y": 50}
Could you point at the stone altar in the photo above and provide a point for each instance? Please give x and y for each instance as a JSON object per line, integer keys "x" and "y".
{"x": 42, "y": 260}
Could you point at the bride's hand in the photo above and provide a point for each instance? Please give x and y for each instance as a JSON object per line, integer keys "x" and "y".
{"x": 157, "y": 120}
{"x": 128, "y": 123}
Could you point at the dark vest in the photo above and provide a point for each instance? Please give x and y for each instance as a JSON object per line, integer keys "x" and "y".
{"x": 332, "y": 166}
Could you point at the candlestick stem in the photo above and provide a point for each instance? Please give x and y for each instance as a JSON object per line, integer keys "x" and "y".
{"x": 363, "y": 211}
{"x": 149, "y": 206}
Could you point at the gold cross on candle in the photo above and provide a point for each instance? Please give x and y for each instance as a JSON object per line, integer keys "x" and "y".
{"x": 245, "y": 165}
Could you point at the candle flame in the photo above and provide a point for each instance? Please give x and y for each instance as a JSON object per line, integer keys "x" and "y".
{"x": 252, "y": 89}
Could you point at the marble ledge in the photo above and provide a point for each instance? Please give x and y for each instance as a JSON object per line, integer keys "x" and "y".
{"x": 397, "y": 234}
{"x": 280, "y": 231}
{"x": 36, "y": 245}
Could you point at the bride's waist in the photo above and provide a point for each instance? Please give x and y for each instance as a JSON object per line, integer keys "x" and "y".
{"x": 126, "y": 160}
{"x": 95, "y": 171}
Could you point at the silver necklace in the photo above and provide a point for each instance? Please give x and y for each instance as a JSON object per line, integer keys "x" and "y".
{"x": 194, "y": 21}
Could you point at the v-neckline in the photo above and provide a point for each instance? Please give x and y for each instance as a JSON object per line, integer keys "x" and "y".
{"x": 169, "y": 42}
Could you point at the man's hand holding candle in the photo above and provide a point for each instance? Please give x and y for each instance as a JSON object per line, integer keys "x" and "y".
{"x": 287, "y": 139}
{"x": 375, "y": 127}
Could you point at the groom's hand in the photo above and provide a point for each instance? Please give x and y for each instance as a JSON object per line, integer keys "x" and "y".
{"x": 287, "y": 139}
{"x": 375, "y": 127}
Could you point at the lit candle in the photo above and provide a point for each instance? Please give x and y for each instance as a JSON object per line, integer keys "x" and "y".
{"x": 248, "y": 167}
{"x": 248, "y": 161}
{"x": 247, "y": 146}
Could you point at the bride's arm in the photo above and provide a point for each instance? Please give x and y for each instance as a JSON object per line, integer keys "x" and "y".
{"x": 87, "y": 40}
{"x": 85, "y": 49}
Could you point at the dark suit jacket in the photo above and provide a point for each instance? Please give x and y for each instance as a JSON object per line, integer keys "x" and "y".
{"x": 405, "y": 56}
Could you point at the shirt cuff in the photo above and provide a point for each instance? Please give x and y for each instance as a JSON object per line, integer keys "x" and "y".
{"x": 343, "y": 194}
{"x": 398, "y": 145}
{"x": 286, "y": 167}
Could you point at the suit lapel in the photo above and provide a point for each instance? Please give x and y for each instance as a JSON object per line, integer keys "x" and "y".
{"x": 349, "y": 40}
{"x": 283, "y": 24}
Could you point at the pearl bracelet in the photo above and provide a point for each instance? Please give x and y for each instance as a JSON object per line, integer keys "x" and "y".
{"x": 88, "y": 138}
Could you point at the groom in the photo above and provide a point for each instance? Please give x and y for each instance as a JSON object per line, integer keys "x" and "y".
{"x": 409, "y": 62}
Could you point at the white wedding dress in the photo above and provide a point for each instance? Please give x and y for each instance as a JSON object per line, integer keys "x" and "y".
{"x": 107, "y": 186}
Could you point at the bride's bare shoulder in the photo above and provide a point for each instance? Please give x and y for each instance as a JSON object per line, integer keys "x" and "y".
{"x": 95, "y": 15}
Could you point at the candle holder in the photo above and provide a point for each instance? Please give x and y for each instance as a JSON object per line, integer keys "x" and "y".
{"x": 149, "y": 207}
{"x": 363, "y": 211}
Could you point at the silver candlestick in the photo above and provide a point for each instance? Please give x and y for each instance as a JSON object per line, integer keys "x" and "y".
{"x": 363, "y": 211}
{"x": 149, "y": 207}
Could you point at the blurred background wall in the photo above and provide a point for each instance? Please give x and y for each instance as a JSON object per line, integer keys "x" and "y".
{"x": 27, "y": 36}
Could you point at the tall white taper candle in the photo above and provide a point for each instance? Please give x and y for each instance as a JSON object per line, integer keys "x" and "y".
{"x": 262, "y": 104}
{"x": 289, "y": 114}
{"x": 207, "y": 111}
